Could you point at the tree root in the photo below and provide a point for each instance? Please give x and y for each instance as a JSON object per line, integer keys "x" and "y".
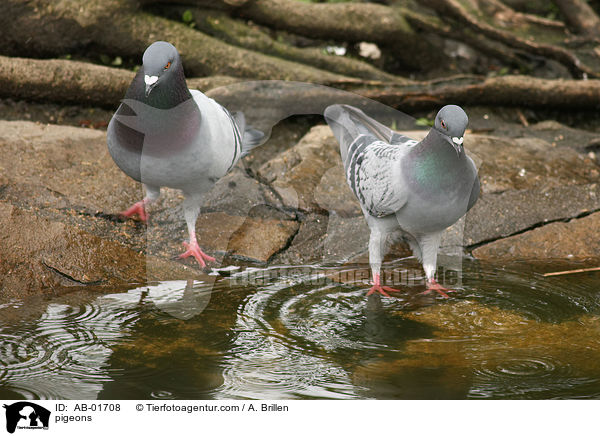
{"x": 521, "y": 91}
{"x": 44, "y": 28}
{"x": 118, "y": 27}
{"x": 581, "y": 17}
{"x": 488, "y": 20}
{"x": 455, "y": 9}
{"x": 236, "y": 32}
{"x": 66, "y": 81}
{"x": 348, "y": 22}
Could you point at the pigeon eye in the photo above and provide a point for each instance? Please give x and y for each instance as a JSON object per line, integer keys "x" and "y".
{"x": 168, "y": 65}
{"x": 443, "y": 123}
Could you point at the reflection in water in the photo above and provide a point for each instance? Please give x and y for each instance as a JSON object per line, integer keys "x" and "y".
{"x": 267, "y": 361}
{"x": 179, "y": 298}
{"x": 507, "y": 333}
{"x": 63, "y": 351}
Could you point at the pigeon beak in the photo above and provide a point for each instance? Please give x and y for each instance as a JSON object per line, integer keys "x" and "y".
{"x": 457, "y": 144}
{"x": 150, "y": 82}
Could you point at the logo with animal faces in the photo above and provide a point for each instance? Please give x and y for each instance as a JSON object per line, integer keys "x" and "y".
{"x": 24, "y": 415}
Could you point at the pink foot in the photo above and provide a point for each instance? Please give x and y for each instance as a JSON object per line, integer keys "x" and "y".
{"x": 432, "y": 285}
{"x": 138, "y": 208}
{"x": 194, "y": 250}
{"x": 381, "y": 289}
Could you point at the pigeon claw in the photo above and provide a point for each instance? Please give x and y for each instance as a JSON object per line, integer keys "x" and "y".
{"x": 139, "y": 209}
{"x": 194, "y": 250}
{"x": 377, "y": 287}
{"x": 382, "y": 290}
{"x": 432, "y": 285}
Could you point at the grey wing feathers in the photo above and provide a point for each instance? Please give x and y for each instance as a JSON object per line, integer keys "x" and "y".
{"x": 371, "y": 174}
{"x": 370, "y": 152}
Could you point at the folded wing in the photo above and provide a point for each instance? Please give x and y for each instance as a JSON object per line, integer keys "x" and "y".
{"x": 371, "y": 153}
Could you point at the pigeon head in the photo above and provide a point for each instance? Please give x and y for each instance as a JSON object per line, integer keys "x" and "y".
{"x": 451, "y": 121}
{"x": 161, "y": 64}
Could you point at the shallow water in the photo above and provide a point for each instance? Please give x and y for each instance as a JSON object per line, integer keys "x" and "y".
{"x": 285, "y": 333}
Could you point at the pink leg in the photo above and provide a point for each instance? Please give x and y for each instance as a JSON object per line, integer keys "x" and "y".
{"x": 138, "y": 208}
{"x": 193, "y": 249}
{"x": 432, "y": 285}
{"x": 381, "y": 289}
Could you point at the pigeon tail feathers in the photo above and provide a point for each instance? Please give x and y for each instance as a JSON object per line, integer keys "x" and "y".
{"x": 342, "y": 127}
{"x": 356, "y": 122}
{"x": 251, "y": 137}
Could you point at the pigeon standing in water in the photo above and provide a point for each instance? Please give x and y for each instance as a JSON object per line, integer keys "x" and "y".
{"x": 164, "y": 134}
{"x": 417, "y": 188}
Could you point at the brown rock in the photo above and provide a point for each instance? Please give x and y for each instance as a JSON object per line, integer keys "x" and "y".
{"x": 526, "y": 182}
{"x": 61, "y": 192}
{"x": 284, "y": 135}
{"x": 502, "y": 214}
{"x": 260, "y": 239}
{"x": 527, "y": 163}
{"x": 69, "y": 161}
{"x": 237, "y": 193}
{"x": 41, "y": 255}
{"x": 296, "y": 173}
{"x": 560, "y": 135}
{"x": 255, "y": 239}
{"x": 214, "y": 230}
{"x": 333, "y": 239}
{"x": 578, "y": 238}
{"x": 345, "y": 238}
{"x": 307, "y": 245}
{"x": 66, "y": 174}
{"x": 334, "y": 194}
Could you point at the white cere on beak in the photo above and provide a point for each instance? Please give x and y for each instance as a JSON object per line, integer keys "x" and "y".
{"x": 150, "y": 80}
{"x": 457, "y": 140}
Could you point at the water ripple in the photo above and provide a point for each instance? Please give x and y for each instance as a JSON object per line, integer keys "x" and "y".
{"x": 270, "y": 357}
{"x": 65, "y": 351}
{"x": 291, "y": 335}
{"x": 295, "y": 333}
{"x": 527, "y": 377}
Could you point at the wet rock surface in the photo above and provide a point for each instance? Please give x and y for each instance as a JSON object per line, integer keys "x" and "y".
{"x": 528, "y": 163}
{"x": 286, "y": 203}
{"x": 61, "y": 193}
{"x": 577, "y": 238}
{"x": 326, "y": 239}
{"x": 497, "y": 215}
{"x": 41, "y": 254}
{"x": 296, "y": 173}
